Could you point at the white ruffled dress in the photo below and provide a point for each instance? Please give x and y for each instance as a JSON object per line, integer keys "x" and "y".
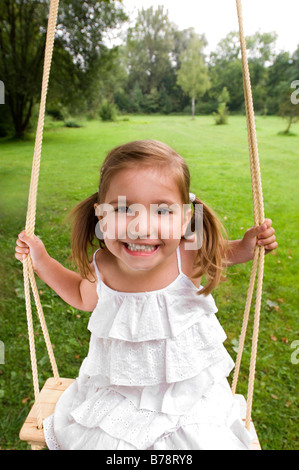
{"x": 154, "y": 377}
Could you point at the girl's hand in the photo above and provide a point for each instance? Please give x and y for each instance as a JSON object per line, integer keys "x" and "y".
{"x": 34, "y": 246}
{"x": 261, "y": 235}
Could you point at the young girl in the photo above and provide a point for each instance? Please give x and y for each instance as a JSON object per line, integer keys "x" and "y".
{"x": 155, "y": 374}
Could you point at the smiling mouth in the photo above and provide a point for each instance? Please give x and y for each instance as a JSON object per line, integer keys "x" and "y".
{"x": 139, "y": 249}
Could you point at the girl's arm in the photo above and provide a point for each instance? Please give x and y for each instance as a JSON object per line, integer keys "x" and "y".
{"x": 241, "y": 251}
{"x": 70, "y": 286}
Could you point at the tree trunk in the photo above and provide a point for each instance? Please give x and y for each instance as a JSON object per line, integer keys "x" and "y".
{"x": 17, "y": 115}
{"x": 193, "y": 107}
{"x": 289, "y": 125}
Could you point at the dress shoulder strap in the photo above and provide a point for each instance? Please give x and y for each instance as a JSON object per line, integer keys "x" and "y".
{"x": 178, "y": 254}
{"x": 95, "y": 264}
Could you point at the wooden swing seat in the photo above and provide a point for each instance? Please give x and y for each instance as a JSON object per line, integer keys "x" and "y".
{"x": 49, "y": 396}
{"x": 255, "y": 445}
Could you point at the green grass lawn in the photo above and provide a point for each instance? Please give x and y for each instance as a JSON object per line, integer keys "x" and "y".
{"x": 219, "y": 165}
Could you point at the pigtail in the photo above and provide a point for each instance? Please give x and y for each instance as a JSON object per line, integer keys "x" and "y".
{"x": 84, "y": 223}
{"x": 210, "y": 258}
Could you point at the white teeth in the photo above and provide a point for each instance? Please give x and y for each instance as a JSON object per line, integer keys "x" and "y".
{"x": 146, "y": 248}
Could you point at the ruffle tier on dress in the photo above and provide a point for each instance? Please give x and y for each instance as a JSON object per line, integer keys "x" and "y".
{"x": 154, "y": 377}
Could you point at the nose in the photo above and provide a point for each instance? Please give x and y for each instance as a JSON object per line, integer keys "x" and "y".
{"x": 142, "y": 225}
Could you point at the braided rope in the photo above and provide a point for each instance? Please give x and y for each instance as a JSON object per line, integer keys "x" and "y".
{"x": 31, "y": 211}
{"x": 31, "y": 341}
{"x": 245, "y": 322}
{"x": 258, "y": 208}
{"x": 28, "y": 272}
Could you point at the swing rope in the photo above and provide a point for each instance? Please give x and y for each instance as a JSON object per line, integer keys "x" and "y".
{"x": 28, "y": 272}
{"x": 259, "y": 216}
{"x": 258, "y": 261}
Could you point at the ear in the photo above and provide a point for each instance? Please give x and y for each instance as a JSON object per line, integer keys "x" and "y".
{"x": 96, "y": 205}
{"x": 187, "y": 216}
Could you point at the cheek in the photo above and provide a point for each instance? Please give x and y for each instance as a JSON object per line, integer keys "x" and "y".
{"x": 107, "y": 226}
{"x": 171, "y": 227}
{"x": 113, "y": 226}
{"x": 121, "y": 223}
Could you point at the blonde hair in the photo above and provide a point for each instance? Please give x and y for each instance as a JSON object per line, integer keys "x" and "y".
{"x": 150, "y": 153}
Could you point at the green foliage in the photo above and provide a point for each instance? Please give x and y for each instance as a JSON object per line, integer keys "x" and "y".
{"x": 22, "y": 45}
{"x": 221, "y": 117}
{"x": 56, "y": 113}
{"x": 157, "y": 68}
{"x": 288, "y": 110}
{"x": 108, "y": 111}
{"x": 149, "y": 45}
{"x": 6, "y": 122}
{"x": 80, "y": 54}
{"x": 136, "y": 99}
{"x": 193, "y": 76}
{"x": 72, "y": 123}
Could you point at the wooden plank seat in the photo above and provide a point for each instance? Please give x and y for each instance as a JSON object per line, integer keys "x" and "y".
{"x": 49, "y": 396}
{"x": 255, "y": 445}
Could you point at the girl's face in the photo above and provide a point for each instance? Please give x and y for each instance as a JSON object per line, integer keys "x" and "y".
{"x": 143, "y": 217}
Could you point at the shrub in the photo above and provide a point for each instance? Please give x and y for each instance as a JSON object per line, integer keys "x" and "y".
{"x": 108, "y": 111}
{"x": 221, "y": 117}
{"x": 71, "y": 123}
{"x": 56, "y": 113}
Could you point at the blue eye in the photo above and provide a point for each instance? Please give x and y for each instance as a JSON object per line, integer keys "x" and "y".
{"x": 163, "y": 211}
{"x": 123, "y": 210}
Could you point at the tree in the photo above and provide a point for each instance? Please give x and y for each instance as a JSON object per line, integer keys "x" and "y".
{"x": 80, "y": 50}
{"x": 181, "y": 42}
{"x": 288, "y": 109}
{"x": 260, "y": 56}
{"x": 294, "y": 72}
{"x": 149, "y": 49}
{"x": 21, "y": 46}
{"x": 193, "y": 76}
{"x": 227, "y": 50}
{"x": 279, "y": 78}
{"x": 221, "y": 116}
{"x": 225, "y": 68}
